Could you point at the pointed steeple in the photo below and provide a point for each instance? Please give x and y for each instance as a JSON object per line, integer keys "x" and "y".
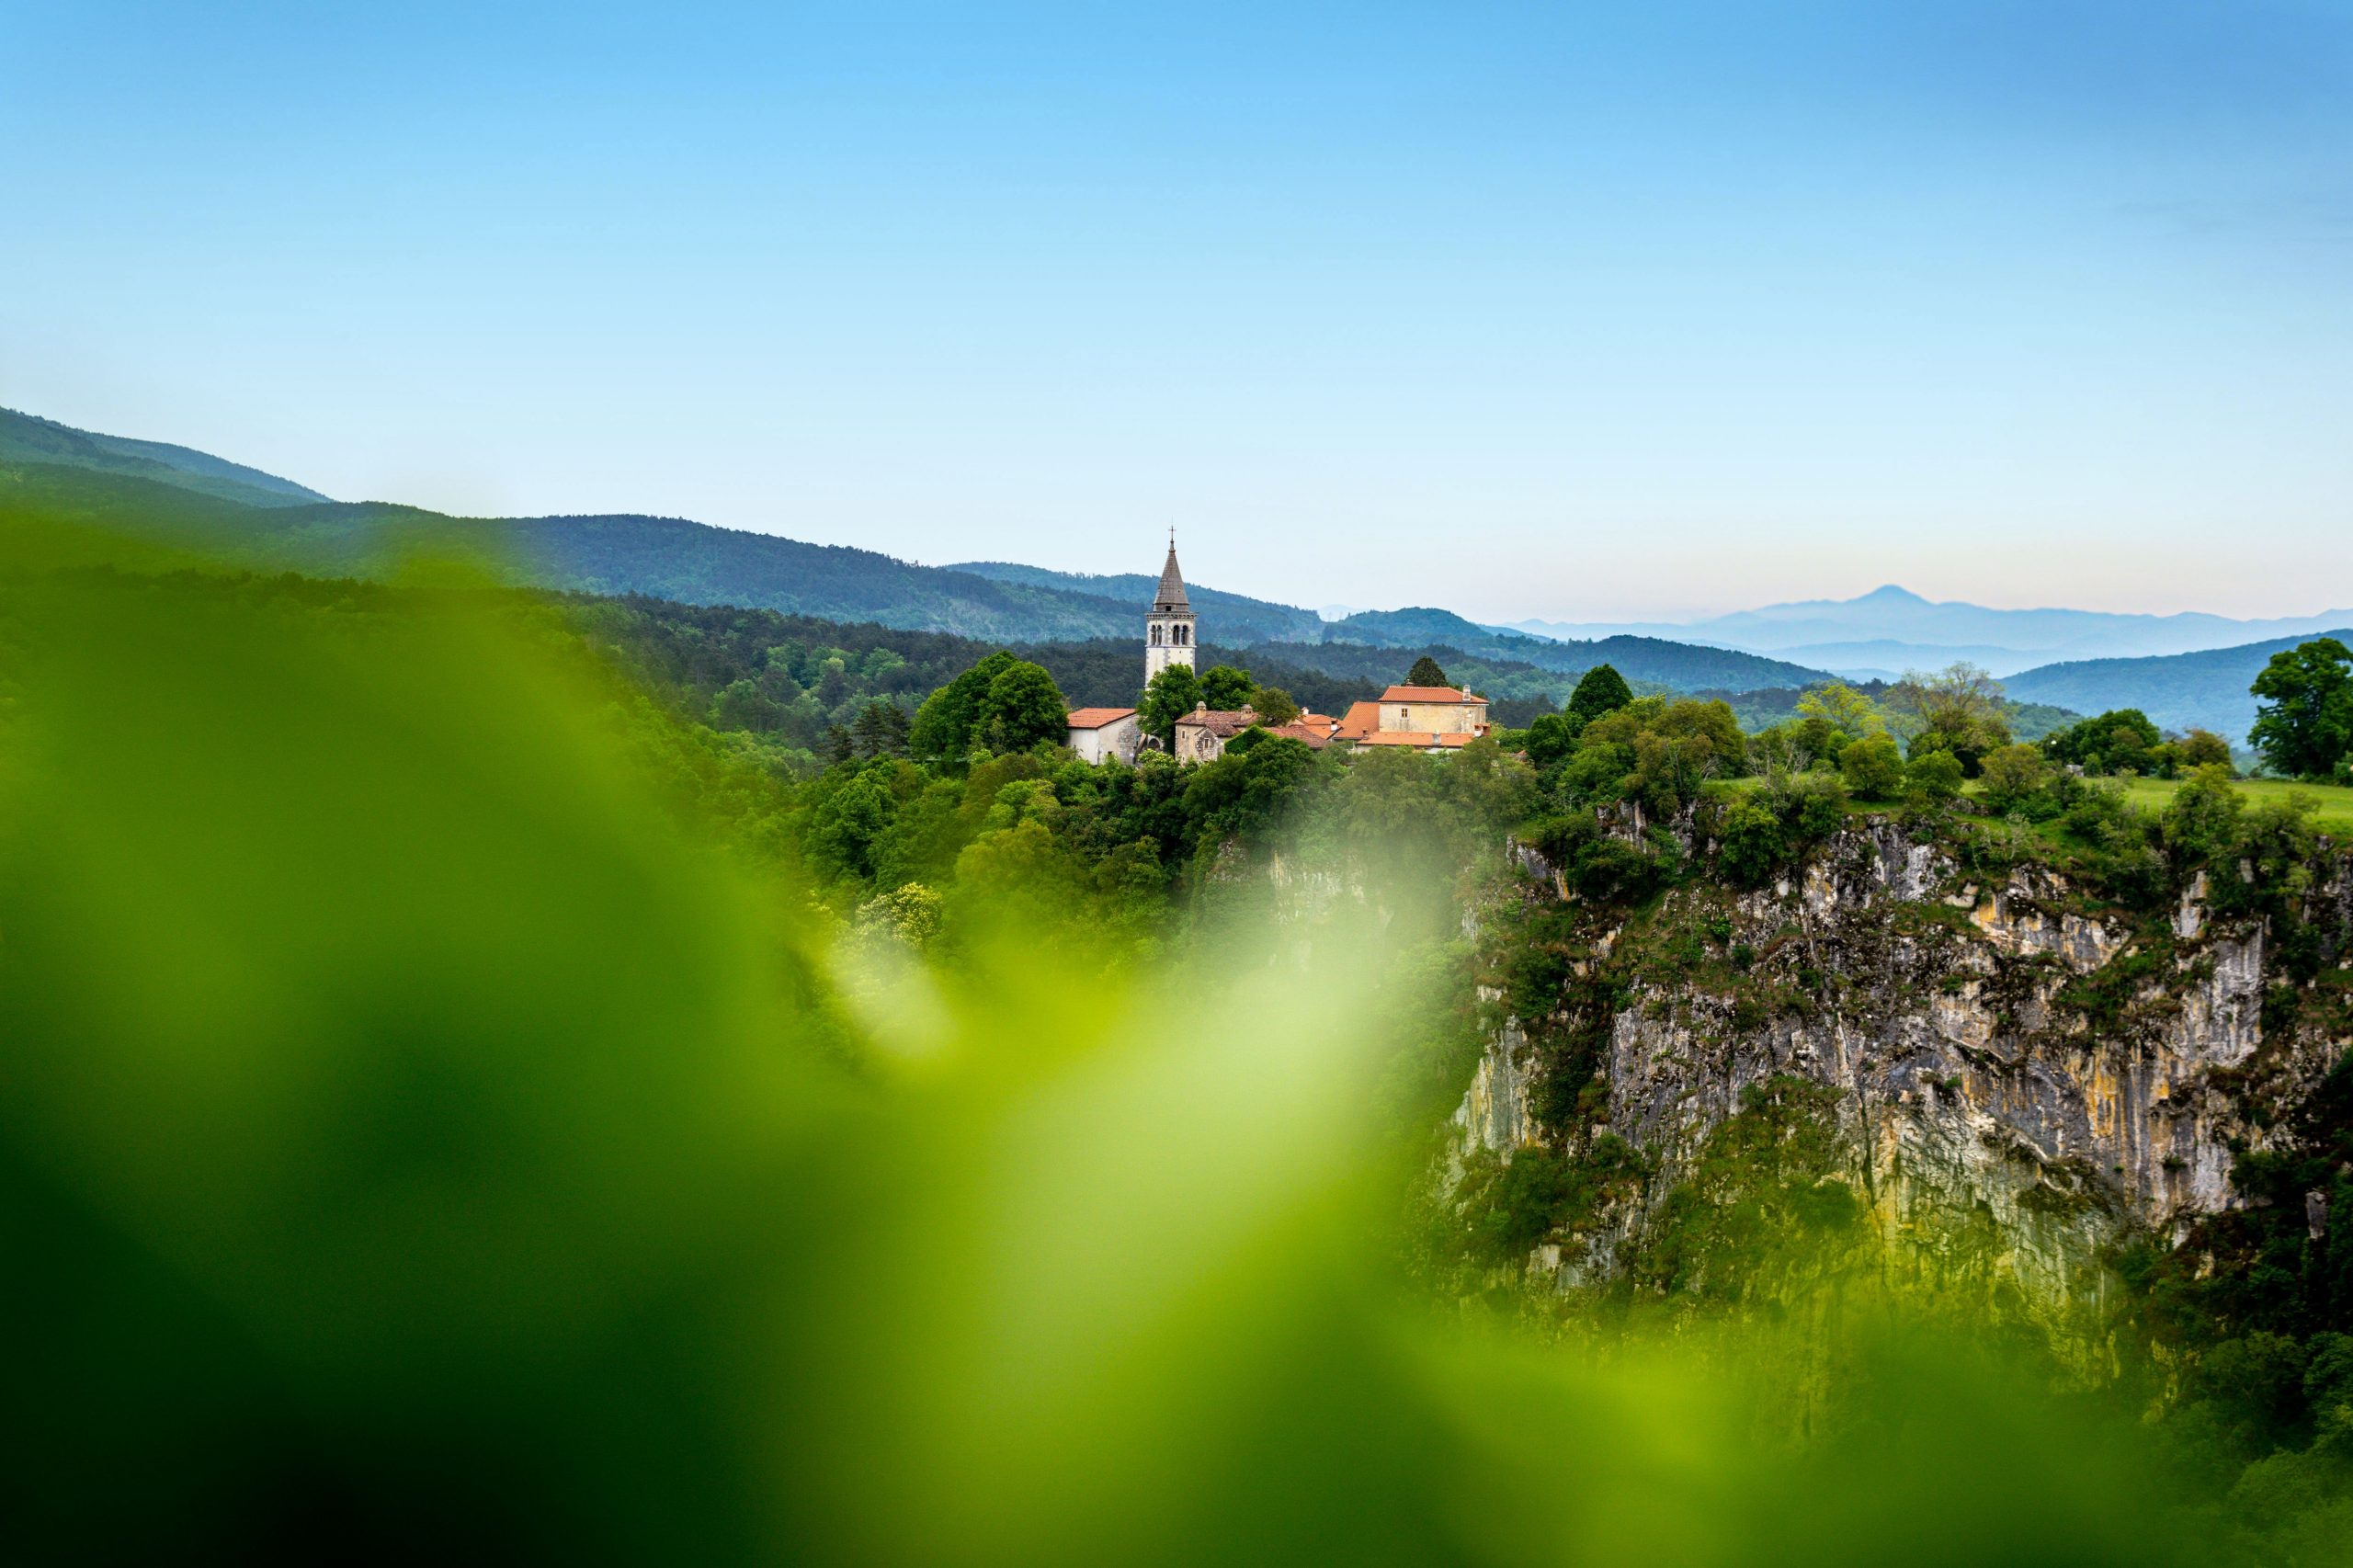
{"x": 1171, "y": 599}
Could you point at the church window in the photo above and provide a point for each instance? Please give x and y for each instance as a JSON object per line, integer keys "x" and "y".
{"x": 1155, "y": 636}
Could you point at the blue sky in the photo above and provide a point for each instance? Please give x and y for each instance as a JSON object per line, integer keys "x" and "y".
{"x": 1573, "y": 311}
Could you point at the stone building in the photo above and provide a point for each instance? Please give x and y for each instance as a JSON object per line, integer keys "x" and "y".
{"x": 1427, "y": 718}
{"x": 1202, "y": 733}
{"x": 1103, "y": 734}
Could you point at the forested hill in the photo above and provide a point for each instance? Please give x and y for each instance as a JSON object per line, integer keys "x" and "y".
{"x": 1677, "y": 667}
{"x": 1236, "y": 618}
{"x": 664, "y": 557}
{"x": 694, "y": 563}
{"x": 27, "y": 439}
{"x": 2207, "y": 690}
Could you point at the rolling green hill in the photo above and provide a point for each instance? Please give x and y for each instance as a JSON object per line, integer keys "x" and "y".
{"x": 2207, "y": 690}
{"x": 175, "y": 499}
{"x": 662, "y": 557}
{"x": 28, "y": 438}
{"x": 1236, "y": 618}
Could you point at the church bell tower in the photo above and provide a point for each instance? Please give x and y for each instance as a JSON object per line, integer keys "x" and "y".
{"x": 1168, "y": 630}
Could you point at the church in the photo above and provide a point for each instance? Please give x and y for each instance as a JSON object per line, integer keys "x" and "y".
{"x": 1099, "y": 734}
{"x": 1169, "y": 628}
{"x": 1433, "y": 719}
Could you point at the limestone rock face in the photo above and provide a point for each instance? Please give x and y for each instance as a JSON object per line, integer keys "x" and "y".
{"x": 2008, "y": 1052}
{"x": 1494, "y": 1115}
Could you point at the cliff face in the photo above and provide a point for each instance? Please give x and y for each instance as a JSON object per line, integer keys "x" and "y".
{"x": 2011, "y": 1063}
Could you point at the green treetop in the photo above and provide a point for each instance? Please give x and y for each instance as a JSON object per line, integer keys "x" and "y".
{"x": 1225, "y": 686}
{"x": 1844, "y": 709}
{"x": 943, "y": 726}
{"x": 1004, "y": 703}
{"x": 1022, "y": 707}
{"x": 2121, "y": 740}
{"x": 1601, "y": 691}
{"x": 2304, "y": 725}
{"x": 1173, "y": 693}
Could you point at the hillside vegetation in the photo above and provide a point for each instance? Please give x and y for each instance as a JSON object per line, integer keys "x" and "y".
{"x": 27, "y": 439}
{"x": 512, "y": 1059}
{"x": 2207, "y": 690}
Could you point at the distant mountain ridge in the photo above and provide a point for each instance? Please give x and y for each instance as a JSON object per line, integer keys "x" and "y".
{"x": 190, "y": 501}
{"x": 1890, "y": 628}
{"x": 1235, "y": 619}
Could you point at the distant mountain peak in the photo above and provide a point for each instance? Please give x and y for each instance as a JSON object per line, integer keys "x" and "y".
{"x": 1891, "y": 594}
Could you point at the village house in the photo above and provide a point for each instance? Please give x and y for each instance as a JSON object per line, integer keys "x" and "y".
{"x": 1426, "y": 717}
{"x": 1202, "y": 733}
{"x": 1313, "y": 729}
{"x": 1104, "y": 734}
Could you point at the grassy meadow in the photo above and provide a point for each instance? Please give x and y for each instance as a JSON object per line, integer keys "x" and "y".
{"x": 2334, "y": 816}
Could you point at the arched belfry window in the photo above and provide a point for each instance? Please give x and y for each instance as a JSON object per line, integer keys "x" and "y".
{"x": 1155, "y": 637}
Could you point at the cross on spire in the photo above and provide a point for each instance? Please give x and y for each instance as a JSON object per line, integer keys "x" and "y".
{"x": 1170, "y": 599}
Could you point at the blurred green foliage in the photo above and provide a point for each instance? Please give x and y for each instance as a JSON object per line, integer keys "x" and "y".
{"x": 453, "y": 1107}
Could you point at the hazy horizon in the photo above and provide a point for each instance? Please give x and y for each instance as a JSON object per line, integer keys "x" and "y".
{"x": 1529, "y": 316}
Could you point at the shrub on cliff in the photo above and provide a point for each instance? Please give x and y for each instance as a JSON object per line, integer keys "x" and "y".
{"x": 2015, "y": 777}
{"x": 1873, "y": 769}
{"x": 1933, "y": 776}
{"x": 1753, "y": 845}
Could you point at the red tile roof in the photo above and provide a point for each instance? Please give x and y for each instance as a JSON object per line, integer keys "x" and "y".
{"x": 1427, "y": 694}
{"x": 1315, "y": 735}
{"x": 1096, "y": 718}
{"x": 1362, "y": 718}
{"x": 1223, "y": 722}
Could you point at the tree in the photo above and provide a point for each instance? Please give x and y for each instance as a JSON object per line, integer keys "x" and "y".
{"x": 1844, "y": 710}
{"x": 1960, "y": 709}
{"x": 1600, "y": 691}
{"x": 1550, "y": 738}
{"x": 1425, "y": 672}
{"x": 1657, "y": 750}
{"x": 2117, "y": 739}
{"x": 1872, "y": 767}
{"x": 909, "y": 912}
{"x": 1227, "y": 687}
{"x": 2202, "y": 748}
{"x": 2014, "y": 775}
{"x": 845, "y": 823}
{"x": 1273, "y": 705}
{"x": 1933, "y": 776}
{"x": 1022, "y": 707}
{"x": 942, "y": 731}
{"x": 1173, "y": 693}
{"x": 2304, "y": 723}
{"x": 1677, "y": 746}
{"x": 1247, "y": 793}
{"x": 1753, "y": 844}
{"x": 881, "y": 729}
{"x": 743, "y": 706}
